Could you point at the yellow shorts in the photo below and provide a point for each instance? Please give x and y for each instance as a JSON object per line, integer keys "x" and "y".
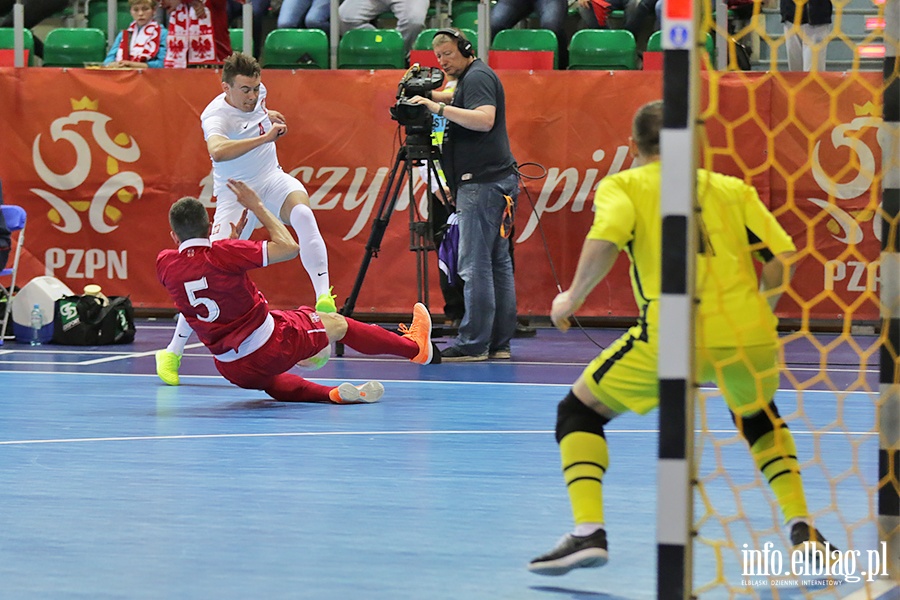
{"x": 624, "y": 377}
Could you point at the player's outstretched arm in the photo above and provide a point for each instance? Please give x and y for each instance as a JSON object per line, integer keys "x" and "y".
{"x": 596, "y": 260}
{"x": 221, "y": 148}
{"x": 281, "y": 246}
{"x": 775, "y": 276}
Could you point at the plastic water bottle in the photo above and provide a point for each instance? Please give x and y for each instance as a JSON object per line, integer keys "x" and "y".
{"x": 37, "y": 321}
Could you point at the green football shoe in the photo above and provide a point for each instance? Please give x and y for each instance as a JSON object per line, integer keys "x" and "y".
{"x": 325, "y": 302}
{"x": 167, "y": 364}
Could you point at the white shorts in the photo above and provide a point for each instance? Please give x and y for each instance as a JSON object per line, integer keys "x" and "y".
{"x": 273, "y": 189}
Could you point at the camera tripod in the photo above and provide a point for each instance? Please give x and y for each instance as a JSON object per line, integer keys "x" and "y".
{"x": 421, "y": 234}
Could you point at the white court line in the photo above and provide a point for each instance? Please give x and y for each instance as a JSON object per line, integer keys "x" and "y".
{"x": 107, "y": 357}
{"x": 203, "y": 436}
{"x": 708, "y": 390}
{"x": 111, "y": 356}
{"x": 316, "y": 379}
{"x": 97, "y": 361}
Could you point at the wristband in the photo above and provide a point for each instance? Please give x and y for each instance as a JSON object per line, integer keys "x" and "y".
{"x": 441, "y": 107}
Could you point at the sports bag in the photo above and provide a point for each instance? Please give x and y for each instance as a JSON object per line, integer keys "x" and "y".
{"x": 85, "y": 321}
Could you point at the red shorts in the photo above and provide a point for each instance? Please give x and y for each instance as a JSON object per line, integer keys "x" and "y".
{"x": 298, "y": 334}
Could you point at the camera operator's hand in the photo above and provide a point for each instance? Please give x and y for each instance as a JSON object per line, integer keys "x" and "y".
{"x": 431, "y": 105}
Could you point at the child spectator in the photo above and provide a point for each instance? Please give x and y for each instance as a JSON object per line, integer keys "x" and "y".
{"x": 143, "y": 43}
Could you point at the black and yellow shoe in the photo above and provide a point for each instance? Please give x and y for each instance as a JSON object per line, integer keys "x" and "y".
{"x": 573, "y": 552}
{"x": 812, "y": 543}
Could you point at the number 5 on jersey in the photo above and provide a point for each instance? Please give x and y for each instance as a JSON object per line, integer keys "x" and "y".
{"x": 192, "y": 287}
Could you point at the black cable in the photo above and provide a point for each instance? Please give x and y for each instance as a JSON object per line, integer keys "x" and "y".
{"x": 540, "y": 227}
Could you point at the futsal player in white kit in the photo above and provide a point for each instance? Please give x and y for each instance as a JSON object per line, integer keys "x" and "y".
{"x": 240, "y": 133}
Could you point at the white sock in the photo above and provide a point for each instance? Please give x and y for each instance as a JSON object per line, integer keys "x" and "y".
{"x": 586, "y": 529}
{"x": 183, "y": 332}
{"x": 313, "y": 253}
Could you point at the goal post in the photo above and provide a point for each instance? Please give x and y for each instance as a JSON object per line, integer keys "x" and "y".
{"x": 678, "y": 154}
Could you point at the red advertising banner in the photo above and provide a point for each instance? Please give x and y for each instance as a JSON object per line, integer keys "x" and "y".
{"x": 97, "y": 157}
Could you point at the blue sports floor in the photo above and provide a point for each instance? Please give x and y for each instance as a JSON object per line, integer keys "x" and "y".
{"x": 113, "y": 485}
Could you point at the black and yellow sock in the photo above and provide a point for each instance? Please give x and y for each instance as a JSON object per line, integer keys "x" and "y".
{"x": 775, "y": 453}
{"x": 585, "y": 457}
{"x": 776, "y": 456}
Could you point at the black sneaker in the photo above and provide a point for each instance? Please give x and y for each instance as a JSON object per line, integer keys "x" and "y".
{"x": 572, "y": 552}
{"x": 812, "y": 543}
{"x": 524, "y": 331}
{"x": 454, "y": 354}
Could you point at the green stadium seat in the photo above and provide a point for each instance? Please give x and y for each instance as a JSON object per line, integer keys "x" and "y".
{"x": 237, "y": 39}
{"x": 527, "y": 40}
{"x": 457, "y": 7}
{"x": 602, "y": 49}
{"x": 73, "y": 47}
{"x": 295, "y": 49}
{"x": 371, "y": 49}
{"x": 97, "y": 13}
{"x": 467, "y": 19}
{"x": 7, "y": 43}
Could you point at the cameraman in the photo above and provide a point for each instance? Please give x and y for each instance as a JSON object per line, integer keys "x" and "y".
{"x": 481, "y": 173}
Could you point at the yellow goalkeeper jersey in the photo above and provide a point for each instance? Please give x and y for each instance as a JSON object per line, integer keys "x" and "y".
{"x": 735, "y": 227}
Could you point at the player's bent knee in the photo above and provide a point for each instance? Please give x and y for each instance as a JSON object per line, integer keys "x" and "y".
{"x": 296, "y": 201}
{"x": 759, "y": 424}
{"x": 572, "y": 415}
{"x": 335, "y": 326}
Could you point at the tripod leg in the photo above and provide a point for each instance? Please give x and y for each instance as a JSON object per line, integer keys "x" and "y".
{"x": 379, "y": 225}
{"x": 419, "y": 240}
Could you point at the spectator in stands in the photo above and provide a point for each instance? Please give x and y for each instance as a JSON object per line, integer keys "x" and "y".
{"x": 197, "y": 33}
{"x": 35, "y": 12}
{"x": 595, "y": 13}
{"x": 359, "y": 14}
{"x": 641, "y": 14}
{"x": 305, "y": 14}
{"x": 805, "y": 34}
{"x": 551, "y": 15}
{"x": 260, "y": 10}
{"x": 143, "y": 43}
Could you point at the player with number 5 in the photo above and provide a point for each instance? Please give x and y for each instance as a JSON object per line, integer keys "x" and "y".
{"x": 253, "y": 346}
{"x": 240, "y": 134}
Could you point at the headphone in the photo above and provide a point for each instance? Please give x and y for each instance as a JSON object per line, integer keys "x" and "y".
{"x": 464, "y": 45}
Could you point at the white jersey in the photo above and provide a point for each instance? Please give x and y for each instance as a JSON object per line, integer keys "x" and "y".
{"x": 220, "y": 118}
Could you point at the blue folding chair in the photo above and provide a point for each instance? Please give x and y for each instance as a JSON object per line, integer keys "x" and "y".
{"x": 15, "y": 218}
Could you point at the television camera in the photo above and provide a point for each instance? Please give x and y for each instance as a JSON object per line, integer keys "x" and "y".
{"x": 416, "y": 118}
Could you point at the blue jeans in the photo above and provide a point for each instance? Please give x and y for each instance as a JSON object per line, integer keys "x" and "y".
{"x": 486, "y": 267}
{"x": 309, "y": 14}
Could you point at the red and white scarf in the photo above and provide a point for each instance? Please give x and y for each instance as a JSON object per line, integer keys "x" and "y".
{"x": 190, "y": 39}
{"x": 140, "y": 45}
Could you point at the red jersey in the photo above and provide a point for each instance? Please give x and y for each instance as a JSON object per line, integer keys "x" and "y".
{"x": 209, "y": 285}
